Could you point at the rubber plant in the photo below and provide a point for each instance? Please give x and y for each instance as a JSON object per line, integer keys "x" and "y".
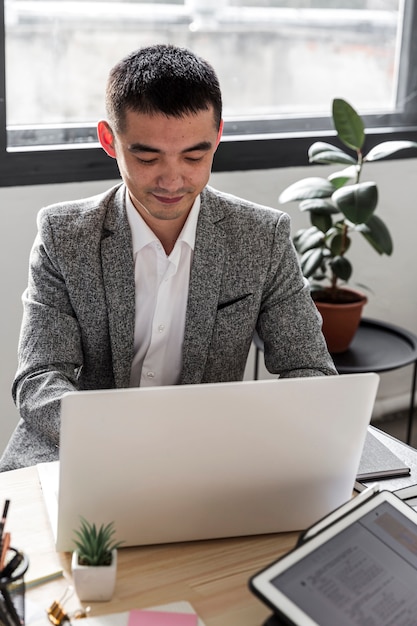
{"x": 339, "y": 205}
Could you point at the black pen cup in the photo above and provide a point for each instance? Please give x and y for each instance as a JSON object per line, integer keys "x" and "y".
{"x": 12, "y": 589}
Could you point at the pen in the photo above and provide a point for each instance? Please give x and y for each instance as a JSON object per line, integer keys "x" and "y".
{"x": 406, "y": 493}
{"x": 4, "y": 549}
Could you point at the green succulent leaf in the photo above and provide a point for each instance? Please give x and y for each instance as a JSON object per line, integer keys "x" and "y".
{"x": 357, "y": 202}
{"x": 311, "y": 261}
{"x": 341, "y": 267}
{"x": 313, "y": 187}
{"x": 348, "y": 124}
{"x": 377, "y": 234}
{"x": 387, "y": 148}
{"x": 95, "y": 545}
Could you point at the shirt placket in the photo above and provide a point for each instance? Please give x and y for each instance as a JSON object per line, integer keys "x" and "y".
{"x": 152, "y": 364}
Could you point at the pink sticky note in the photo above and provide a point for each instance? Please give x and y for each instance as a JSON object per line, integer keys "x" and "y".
{"x": 138, "y": 617}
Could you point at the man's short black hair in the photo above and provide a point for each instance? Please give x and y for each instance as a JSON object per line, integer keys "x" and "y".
{"x": 162, "y": 79}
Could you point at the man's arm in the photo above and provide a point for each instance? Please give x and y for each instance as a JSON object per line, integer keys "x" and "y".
{"x": 289, "y": 323}
{"x": 50, "y": 351}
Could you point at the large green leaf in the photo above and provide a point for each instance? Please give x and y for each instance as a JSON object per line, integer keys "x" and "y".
{"x": 300, "y": 233}
{"x": 310, "y": 238}
{"x": 313, "y": 187}
{"x": 321, "y": 152}
{"x": 321, "y": 146}
{"x": 318, "y": 204}
{"x": 322, "y": 221}
{"x": 347, "y": 176}
{"x": 339, "y": 244}
{"x": 377, "y": 234}
{"x": 348, "y": 124}
{"x": 357, "y": 202}
{"x": 311, "y": 261}
{"x": 341, "y": 267}
{"x": 387, "y": 148}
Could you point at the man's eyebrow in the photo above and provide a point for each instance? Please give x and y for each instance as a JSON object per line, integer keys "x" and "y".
{"x": 202, "y": 146}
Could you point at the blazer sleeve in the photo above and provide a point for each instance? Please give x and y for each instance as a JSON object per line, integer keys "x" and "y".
{"x": 289, "y": 323}
{"x": 50, "y": 352}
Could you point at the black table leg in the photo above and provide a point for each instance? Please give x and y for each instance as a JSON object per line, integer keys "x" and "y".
{"x": 255, "y": 373}
{"x": 411, "y": 409}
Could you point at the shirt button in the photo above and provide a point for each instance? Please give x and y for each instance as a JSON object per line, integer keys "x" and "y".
{"x": 150, "y": 374}
{"x": 161, "y": 328}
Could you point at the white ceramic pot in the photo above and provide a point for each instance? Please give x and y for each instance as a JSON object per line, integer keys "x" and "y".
{"x": 94, "y": 583}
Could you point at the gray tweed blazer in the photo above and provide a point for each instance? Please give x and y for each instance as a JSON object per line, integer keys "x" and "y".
{"x": 79, "y": 308}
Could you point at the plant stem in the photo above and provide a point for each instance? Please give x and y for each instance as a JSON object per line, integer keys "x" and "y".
{"x": 359, "y": 165}
{"x": 345, "y": 231}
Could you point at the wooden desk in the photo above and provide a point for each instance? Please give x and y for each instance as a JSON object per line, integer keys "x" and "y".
{"x": 211, "y": 575}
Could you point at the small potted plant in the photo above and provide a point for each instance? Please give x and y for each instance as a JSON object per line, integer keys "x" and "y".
{"x": 339, "y": 206}
{"x": 94, "y": 562}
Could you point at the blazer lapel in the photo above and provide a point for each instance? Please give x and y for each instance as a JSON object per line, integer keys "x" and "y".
{"x": 119, "y": 285}
{"x": 203, "y": 296}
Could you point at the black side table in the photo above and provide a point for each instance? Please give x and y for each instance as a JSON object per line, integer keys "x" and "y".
{"x": 376, "y": 347}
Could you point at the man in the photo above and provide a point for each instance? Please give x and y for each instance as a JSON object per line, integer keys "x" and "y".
{"x": 160, "y": 280}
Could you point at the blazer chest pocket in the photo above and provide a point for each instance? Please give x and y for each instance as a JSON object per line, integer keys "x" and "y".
{"x": 236, "y": 304}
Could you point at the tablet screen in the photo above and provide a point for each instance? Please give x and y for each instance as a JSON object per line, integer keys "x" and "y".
{"x": 365, "y": 575}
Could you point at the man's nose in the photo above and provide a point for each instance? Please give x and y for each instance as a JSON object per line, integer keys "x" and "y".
{"x": 170, "y": 178}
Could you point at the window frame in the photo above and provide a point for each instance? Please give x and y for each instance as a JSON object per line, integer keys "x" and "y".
{"x": 246, "y": 145}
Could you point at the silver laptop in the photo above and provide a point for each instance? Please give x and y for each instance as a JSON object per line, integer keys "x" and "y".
{"x": 192, "y": 462}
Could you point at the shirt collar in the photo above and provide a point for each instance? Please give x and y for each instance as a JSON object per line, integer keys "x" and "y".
{"x": 142, "y": 235}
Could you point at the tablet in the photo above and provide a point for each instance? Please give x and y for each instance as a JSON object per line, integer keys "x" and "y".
{"x": 362, "y": 569}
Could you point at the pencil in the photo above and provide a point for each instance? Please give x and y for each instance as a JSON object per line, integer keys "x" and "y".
{"x": 4, "y": 516}
{"x": 2, "y": 524}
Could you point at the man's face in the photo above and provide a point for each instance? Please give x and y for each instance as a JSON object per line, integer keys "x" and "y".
{"x": 164, "y": 161}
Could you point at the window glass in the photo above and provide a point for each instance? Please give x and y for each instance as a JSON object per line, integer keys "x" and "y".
{"x": 275, "y": 59}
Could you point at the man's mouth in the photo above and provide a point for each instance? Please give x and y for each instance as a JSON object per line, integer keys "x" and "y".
{"x": 168, "y": 199}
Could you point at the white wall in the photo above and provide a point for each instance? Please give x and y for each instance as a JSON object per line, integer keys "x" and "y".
{"x": 392, "y": 280}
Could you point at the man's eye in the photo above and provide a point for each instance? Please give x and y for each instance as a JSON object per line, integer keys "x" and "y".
{"x": 147, "y": 161}
{"x": 193, "y": 159}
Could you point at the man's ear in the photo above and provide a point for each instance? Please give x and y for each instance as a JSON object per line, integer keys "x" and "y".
{"x": 106, "y": 138}
{"x": 219, "y": 134}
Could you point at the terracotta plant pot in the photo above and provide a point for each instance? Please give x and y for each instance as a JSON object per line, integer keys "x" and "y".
{"x": 340, "y": 319}
{"x": 94, "y": 584}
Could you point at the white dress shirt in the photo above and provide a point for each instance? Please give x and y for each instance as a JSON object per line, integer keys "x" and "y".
{"x": 161, "y": 300}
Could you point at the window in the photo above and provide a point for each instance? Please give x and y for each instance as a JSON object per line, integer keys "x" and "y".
{"x": 280, "y": 64}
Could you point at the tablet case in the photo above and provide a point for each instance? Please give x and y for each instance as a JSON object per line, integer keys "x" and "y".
{"x": 326, "y": 522}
